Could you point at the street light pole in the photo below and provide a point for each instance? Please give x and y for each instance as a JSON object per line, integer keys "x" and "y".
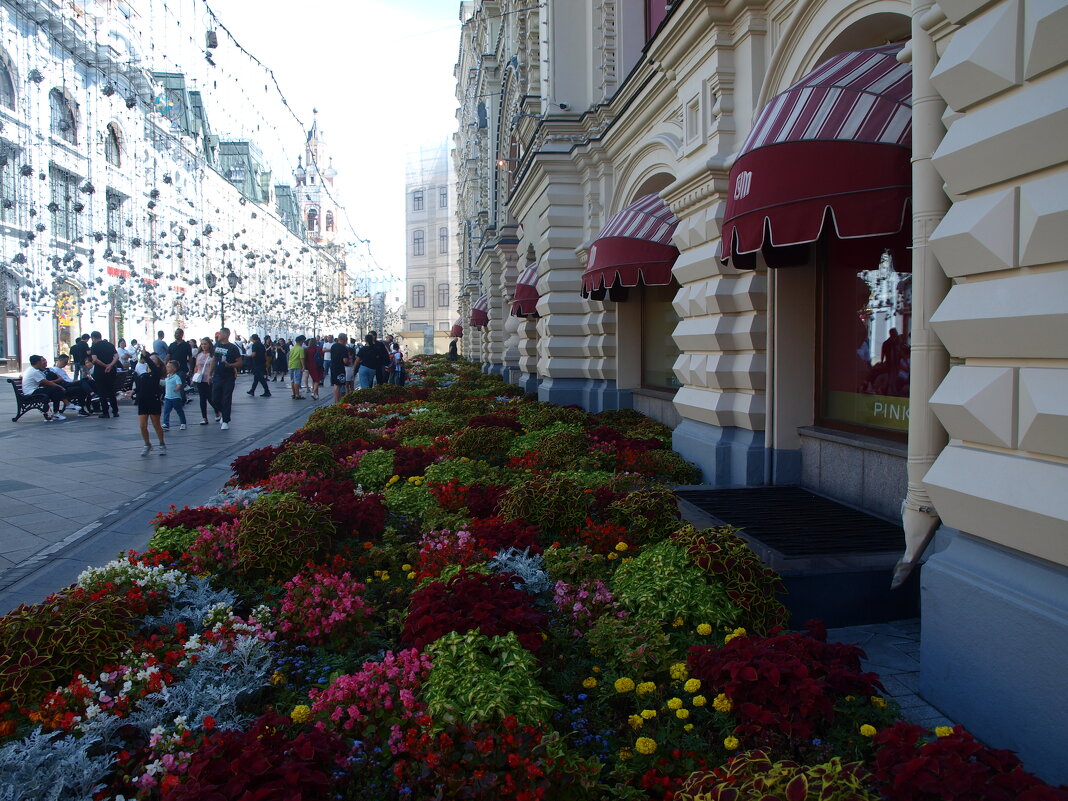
{"x": 232, "y": 279}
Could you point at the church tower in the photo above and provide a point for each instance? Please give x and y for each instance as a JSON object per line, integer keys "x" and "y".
{"x": 314, "y": 177}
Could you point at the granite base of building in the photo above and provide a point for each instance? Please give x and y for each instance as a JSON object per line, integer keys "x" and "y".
{"x": 994, "y": 647}
{"x": 727, "y": 456}
{"x": 593, "y": 395}
{"x": 489, "y": 368}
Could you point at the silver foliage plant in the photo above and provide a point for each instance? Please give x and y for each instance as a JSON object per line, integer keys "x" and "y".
{"x": 528, "y": 568}
{"x": 191, "y": 604}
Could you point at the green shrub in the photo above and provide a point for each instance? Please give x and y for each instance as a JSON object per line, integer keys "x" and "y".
{"x": 477, "y": 679}
{"x": 632, "y": 645}
{"x": 650, "y": 513}
{"x": 555, "y": 503}
{"x": 278, "y": 533}
{"x": 533, "y": 438}
{"x": 47, "y": 644}
{"x": 575, "y": 564}
{"x": 662, "y": 584}
{"x": 379, "y": 393}
{"x": 542, "y": 415}
{"x": 306, "y": 457}
{"x": 374, "y": 470}
{"x": 175, "y": 540}
{"x": 338, "y": 425}
{"x": 469, "y": 471}
{"x": 752, "y": 776}
{"x": 409, "y": 504}
{"x": 481, "y": 443}
{"x": 728, "y": 560}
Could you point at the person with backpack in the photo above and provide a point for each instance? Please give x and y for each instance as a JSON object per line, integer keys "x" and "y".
{"x": 397, "y": 374}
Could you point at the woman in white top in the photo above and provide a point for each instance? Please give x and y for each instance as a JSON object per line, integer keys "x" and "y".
{"x": 124, "y": 354}
{"x": 202, "y": 378}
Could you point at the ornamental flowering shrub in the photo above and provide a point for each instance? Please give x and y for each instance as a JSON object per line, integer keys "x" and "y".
{"x": 754, "y": 775}
{"x": 604, "y": 537}
{"x": 496, "y": 533}
{"x": 440, "y": 549}
{"x": 584, "y": 603}
{"x": 268, "y": 761}
{"x": 322, "y": 605}
{"x": 479, "y": 500}
{"x": 469, "y": 601}
{"x": 377, "y": 700}
{"x": 214, "y": 550}
{"x": 197, "y": 517}
{"x": 784, "y": 685}
{"x": 910, "y": 766}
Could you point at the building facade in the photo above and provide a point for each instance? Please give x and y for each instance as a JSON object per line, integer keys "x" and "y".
{"x": 824, "y": 242}
{"x": 122, "y": 211}
{"x": 430, "y": 264}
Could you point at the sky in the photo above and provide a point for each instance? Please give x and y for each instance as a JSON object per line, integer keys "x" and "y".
{"x": 380, "y": 74}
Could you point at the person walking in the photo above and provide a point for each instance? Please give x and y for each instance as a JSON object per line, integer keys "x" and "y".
{"x": 382, "y": 357}
{"x": 105, "y": 357}
{"x": 296, "y": 366}
{"x": 148, "y": 401}
{"x": 172, "y": 396}
{"x": 452, "y": 351}
{"x": 159, "y": 346}
{"x": 339, "y": 363}
{"x": 79, "y": 352}
{"x": 313, "y": 360}
{"x": 202, "y": 372}
{"x": 181, "y": 352}
{"x": 268, "y": 347}
{"x": 227, "y": 362}
{"x": 397, "y": 375}
{"x": 367, "y": 362}
{"x": 281, "y": 360}
{"x": 259, "y": 366}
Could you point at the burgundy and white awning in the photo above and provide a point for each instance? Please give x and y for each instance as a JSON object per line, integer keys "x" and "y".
{"x": 480, "y": 312}
{"x": 525, "y": 299}
{"x": 837, "y": 144}
{"x": 633, "y": 249}
{"x": 457, "y": 328}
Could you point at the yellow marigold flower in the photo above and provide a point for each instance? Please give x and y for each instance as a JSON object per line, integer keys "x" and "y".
{"x": 851, "y": 698}
{"x": 596, "y": 669}
{"x": 730, "y": 743}
{"x": 645, "y": 745}
{"x": 878, "y": 702}
{"x": 411, "y": 575}
{"x": 636, "y": 721}
{"x": 688, "y": 727}
{"x": 624, "y": 685}
{"x": 393, "y": 480}
{"x": 677, "y": 622}
{"x": 679, "y": 672}
{"x": 868, "y": 730}
{"x": 698, "y": 700}
{"x": 621, "y": 546}
{"x": 674, "y": 703}
{"x": 692, "y": 685}
{"x": 943, "y": 731}
{"x": 722, "y": 703}
{"x": 589, "y": 682}
{"x": 738, "y": 632}
{"x": 300, "y": 713}
{"x": 704, "y": 629}
{"x": 406, "y": 568}
{"x": 277, "y": 678}
{"x": 645, "y": 688}
{"x": 613, "y": 555}
{"x": 648, "y": 714}
{"x": 682, "y": 714}
{"x": 625, "y": 754}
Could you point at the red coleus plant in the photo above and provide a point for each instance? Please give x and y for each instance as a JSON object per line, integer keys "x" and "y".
{"x": 603, "y": 537}
{"x": 479, "y": 500}
{"x": 361, "y": 516}
{"x": 495, "y": 534}
{"x": 469, "y": 601}
{"x": 956, "y": 767}
{"x": 604, "y": 434}
{"x": 193, "y": 519}
{"x": 784, "y": 684}
{"x": 409, "y": 462}
{"x": 265, "y": 762}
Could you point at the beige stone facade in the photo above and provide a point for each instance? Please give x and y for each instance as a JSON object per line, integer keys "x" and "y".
{"x": 572, "y": 110}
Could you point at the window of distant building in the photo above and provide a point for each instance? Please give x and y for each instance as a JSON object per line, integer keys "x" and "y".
{"x": 64, "y": 191}
{"x": 112, "y": 150}
{"x": 7, "y": 86}
{"x": 443, "y": 295}
{"x": 330, "y": 221}
{"x": 418, "y": 243}
{"x": 418, "y": 199}
{"x": 114, "y": 218}
{"x": 313, "y": 219}
{"x": 443, "y": 197}
{"x": 418, "y": 296}
{"x": 8, "y": 184}
{"x": 63, "y": 123}
{"x": 443, "y": 240}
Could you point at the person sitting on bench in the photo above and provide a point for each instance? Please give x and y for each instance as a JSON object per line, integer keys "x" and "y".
{"x": 77, "y": 392}
{"x": 34, "y": 381}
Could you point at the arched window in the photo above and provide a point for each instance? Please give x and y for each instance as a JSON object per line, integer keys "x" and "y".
{"x": 63, "y": 123}
{"x": 330, "y": 221}
{"x": 112, "y": 150}
{"x": 418, "y": 296}
{"x": 443, "y": 295}
{"x": 7, "y": 86}
{"x": 418, "y": 243}
{"x": 313, "y": 219}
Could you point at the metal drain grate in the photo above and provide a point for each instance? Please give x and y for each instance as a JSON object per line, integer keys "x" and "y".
{"x": 797, "y": 523}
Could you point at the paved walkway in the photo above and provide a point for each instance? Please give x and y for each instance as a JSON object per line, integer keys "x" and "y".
{"x": 78, "y": 492}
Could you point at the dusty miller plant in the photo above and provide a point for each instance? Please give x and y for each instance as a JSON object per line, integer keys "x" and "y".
{"x": 528, "y": 568}
{"x": 191, "y": 604}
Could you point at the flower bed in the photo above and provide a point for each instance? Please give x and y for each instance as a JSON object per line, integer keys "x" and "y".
{"x": 448, "y": 590}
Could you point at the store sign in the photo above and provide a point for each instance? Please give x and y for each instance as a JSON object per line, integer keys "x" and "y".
{"x": 879, "y": 411}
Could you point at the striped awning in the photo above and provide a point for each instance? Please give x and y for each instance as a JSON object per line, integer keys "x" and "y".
{"x": 457, "y": 328}
{"x": 480, "y": 312}
{"x": 525, "y": 299}
{"x": 836, "y": 145}
{"x": 633, "y": 249}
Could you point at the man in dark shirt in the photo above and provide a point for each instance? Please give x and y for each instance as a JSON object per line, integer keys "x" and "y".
{"x": 381, "y": 358}
{"x": 78, "y": 351}
{"x": 105, "y": 357}
{"x": 227, "y": 361}
{"x": 182, "y": 352}
{"x": 259, "y": 366}
{"x": 339, "y": 360}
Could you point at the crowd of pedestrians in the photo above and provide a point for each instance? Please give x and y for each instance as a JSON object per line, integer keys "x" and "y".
{"x": 162, "y": 375}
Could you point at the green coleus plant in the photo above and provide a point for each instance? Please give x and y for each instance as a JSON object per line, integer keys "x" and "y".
{"x": 753, "y": 775}
{"x": 374, "y": 470}
{"x": 476, "y": 679}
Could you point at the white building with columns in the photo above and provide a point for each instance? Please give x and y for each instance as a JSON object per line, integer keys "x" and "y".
{"x": 825, "y": 242}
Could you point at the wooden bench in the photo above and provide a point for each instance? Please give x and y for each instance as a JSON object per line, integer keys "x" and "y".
{"x": 27, "y": 403}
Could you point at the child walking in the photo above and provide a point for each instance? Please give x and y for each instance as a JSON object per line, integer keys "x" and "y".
{"x": 172, "y": 396}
